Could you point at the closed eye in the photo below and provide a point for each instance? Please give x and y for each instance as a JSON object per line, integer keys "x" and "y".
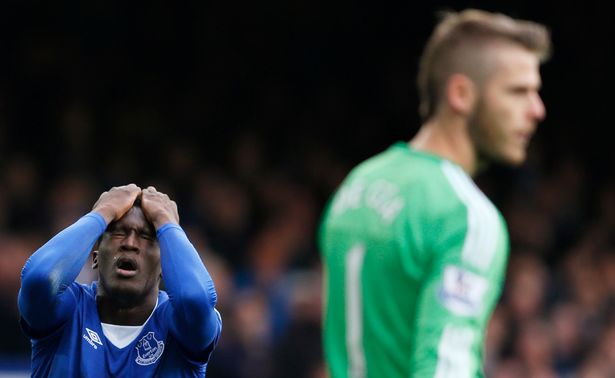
{"x": 117, "y": 233}
{"x": 122, "y": 232}
{"x": 147, "y": 236}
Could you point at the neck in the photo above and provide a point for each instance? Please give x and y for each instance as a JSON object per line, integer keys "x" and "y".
{"x": 448, "y": 138}
{"x": 125, "y": 312}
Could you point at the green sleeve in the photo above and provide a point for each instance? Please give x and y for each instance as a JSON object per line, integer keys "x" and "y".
{"x": 456, "y": 297}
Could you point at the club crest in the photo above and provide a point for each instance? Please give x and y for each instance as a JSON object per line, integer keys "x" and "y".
{"x": 149, "y": 349}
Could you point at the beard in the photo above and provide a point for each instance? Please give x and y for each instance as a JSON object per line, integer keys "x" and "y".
{"x": 479, "y": 131}
{"x": 490, "y": 138}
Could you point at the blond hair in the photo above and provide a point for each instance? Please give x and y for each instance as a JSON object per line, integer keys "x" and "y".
{"x": 457, "y": 43}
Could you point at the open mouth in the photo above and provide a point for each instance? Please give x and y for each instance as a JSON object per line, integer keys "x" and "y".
{"x": 126, "y": 267}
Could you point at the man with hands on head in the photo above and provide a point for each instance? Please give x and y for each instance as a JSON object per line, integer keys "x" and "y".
{"x": 123, "y": 325}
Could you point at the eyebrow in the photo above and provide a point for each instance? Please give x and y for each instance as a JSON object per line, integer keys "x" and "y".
{"x": 114, "y": 226}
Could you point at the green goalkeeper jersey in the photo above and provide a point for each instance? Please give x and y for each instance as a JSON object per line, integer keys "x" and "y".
{"x": 415, "y": 256}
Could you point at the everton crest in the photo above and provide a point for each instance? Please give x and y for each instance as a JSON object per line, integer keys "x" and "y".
{"x": 149, "y": 349}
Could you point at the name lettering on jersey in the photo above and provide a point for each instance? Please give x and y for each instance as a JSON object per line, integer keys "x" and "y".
{"x": 92, "y": 338}
{"x": 349, "y": 197}
{"x": 462, "y": 292}
{"x": 381, "y": 196}
{"x": 149, "y": 349}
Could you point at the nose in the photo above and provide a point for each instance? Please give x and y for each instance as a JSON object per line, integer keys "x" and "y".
{"x": 130, "y": 242}
{"x": 537, "y": 107}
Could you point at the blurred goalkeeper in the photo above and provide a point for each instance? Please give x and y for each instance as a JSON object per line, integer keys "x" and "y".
{"x": 414, "y": 253}
{"x": 122, "y": 325}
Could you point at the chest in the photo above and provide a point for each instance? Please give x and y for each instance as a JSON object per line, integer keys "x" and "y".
{"x": 84, "y": 350}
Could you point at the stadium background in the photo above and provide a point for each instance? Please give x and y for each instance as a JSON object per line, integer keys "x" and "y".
{"x": 249, "y": 114}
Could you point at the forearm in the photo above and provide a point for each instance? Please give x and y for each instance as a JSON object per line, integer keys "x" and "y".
{"x": 54, "y": 266}
{"x": 190, "y": 288}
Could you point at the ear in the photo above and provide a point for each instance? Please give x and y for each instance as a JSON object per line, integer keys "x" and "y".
{"x": 461, "y": 93}
{"x": 94, "y": 259}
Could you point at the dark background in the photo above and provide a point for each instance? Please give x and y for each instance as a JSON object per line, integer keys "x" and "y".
{"x": 250, "y": 113}
{"x": 338, "y": 72}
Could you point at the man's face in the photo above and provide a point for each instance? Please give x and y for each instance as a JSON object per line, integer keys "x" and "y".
{"x": 128, "y": 258}
{"x": 509, "y": 107}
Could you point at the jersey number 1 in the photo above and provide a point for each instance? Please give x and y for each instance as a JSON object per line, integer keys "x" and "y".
{"x": 354, "y": 312}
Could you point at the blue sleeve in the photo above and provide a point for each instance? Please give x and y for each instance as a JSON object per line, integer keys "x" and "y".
{"x": 44, "y": 303}
{"x": 194, "y": 321}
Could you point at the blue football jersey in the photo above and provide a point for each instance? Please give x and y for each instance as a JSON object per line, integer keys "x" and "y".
{"x": 79, "y": 347}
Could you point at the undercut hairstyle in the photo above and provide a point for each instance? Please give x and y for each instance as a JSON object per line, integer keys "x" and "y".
{"x": 458, "y": 45}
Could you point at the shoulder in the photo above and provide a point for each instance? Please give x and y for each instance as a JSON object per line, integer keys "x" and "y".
{"x": 386, "y": 184}
{"x": 163, "y": 298}
{"x": 82, "y": 292}
{"x": 445, "y": 190}
{"x": 163, "y": 305}
{"x": 466, "y": 222}
{"x": 418, "y": 175}
{"x": 84, "y": 296}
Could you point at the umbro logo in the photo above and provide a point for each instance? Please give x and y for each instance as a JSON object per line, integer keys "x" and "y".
{"x": 92, "y": 338}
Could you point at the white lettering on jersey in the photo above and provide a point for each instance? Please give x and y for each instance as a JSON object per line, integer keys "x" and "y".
{"x": 349, "y": 197}
{"x": 149, "y": 349}
{"x": 383, "y": 196}
{"x": 462, "y": 292}
{"x": 354, "y": 312}
{"x": 92, "y": 338}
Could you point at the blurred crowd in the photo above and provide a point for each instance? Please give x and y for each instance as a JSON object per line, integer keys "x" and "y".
{"x": 556, "y": 317}
{"x": 249, "y": 120}
{"x": 255, "y": 227}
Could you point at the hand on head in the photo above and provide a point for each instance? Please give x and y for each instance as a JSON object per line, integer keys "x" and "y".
{"x": 115, "y": 202}
{"x": 157, "y": 207}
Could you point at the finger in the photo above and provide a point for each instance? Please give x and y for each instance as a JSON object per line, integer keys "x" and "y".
{"x": 133, "y": 187}
{"x": 134, "y": 193}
